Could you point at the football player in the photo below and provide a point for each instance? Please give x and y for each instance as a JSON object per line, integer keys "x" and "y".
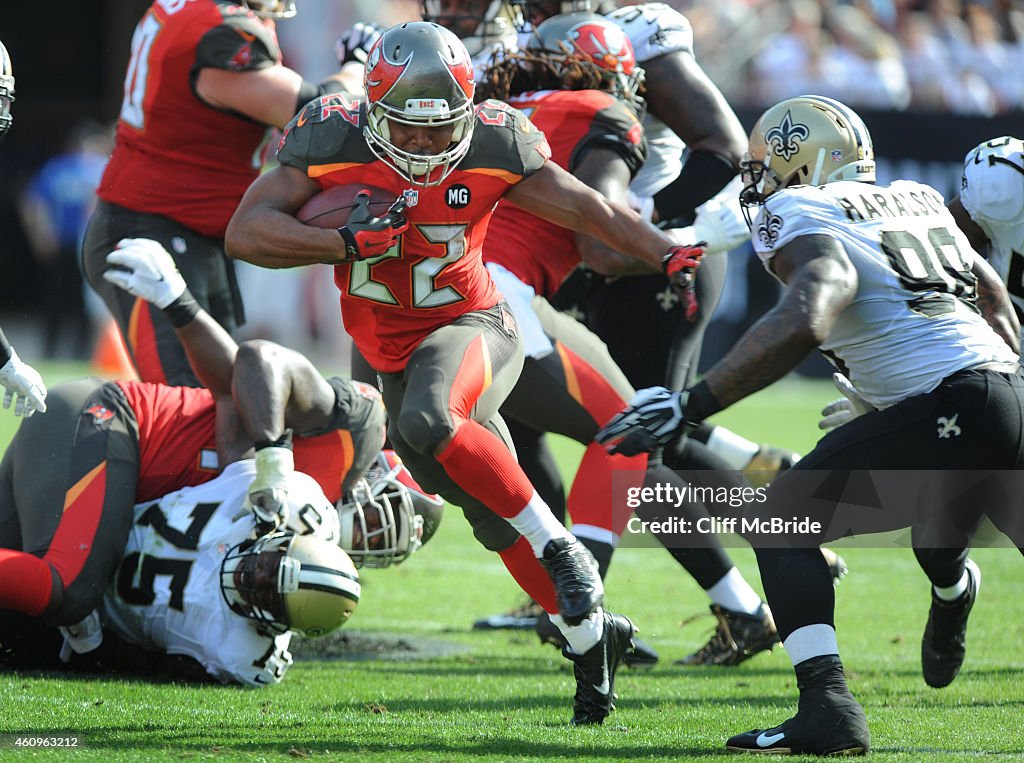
{"x": 197, "y": 582}
{"x": 579, "y": 85}
{"x": 113, "y": 444}
{"x": 883, "y": 281}
{"x": 21, "y": 382}
{"x": 423, "y": 311}
{"x": 204, "y": 91}
{"x": 990, "y": 212}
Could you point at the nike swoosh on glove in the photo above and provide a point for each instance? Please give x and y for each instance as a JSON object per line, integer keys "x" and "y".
{"x": 366, "y": 236}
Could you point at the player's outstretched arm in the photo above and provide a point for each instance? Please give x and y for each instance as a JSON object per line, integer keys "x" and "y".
{"x": 994, "y": 302}
{"x": 142, "y": 267}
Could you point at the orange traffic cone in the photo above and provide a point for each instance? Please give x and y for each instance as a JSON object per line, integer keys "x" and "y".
{"x": 111, "y": 358}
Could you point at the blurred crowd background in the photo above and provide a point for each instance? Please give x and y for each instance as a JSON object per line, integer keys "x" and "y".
{"x": 932, "y": 78}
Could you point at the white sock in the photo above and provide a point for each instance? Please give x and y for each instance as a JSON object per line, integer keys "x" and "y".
{"x": 953, "y": 592}
{"x": 736, "y": 450}
{"x": 735, "y": 593}
{"x": 538, "y": 525}
{"x": 583, "y": 637}
{"x": 811, "y": 641}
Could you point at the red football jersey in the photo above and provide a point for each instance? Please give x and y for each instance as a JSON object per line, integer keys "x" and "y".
{"x": 178, "y": 444}
{"x": 174, "y": 155}
{"x": 539, "y": 253}
{"x": 434, "y": 274}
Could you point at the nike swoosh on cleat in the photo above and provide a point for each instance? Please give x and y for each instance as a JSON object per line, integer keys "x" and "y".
{"x": 605, "y": 686}
{"x": 764, "y": 739}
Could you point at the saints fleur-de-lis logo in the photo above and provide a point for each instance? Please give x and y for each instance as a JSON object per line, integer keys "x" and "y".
{"x": 768, "y": 230}
{"x": 785, "y": 138}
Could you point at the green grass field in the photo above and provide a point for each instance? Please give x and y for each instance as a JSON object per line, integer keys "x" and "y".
{"x": 502, "y": 697}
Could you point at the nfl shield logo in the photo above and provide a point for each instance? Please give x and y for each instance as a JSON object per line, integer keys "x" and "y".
{"x": 837, "y": 156}
{"x": 411, "y": 196}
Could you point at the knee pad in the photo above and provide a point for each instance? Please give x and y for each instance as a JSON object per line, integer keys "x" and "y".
{"x": 422, "y": 430}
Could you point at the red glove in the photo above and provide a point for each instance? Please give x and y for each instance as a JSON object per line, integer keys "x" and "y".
{"x": 680, "y": 265}
{"x": 366, "y": 236}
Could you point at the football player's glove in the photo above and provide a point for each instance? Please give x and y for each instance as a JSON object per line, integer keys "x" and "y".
{"x": 268, "y": 493}
{"x": 353, "y": 45}
{"x": 146, "y": 270}
{"x": 680, "y": 265}
{"x": 24, "y": 385}
{"x": 721, "y": 225}
{"x": 366, "y": 236}
{"x": 845, "y": 409}
{"x": 653, "y": 418}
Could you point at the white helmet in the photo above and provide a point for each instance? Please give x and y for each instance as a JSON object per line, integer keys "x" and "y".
{"x": 291, "y": 582}
{"x": 807, "y": 140}
{"x": 6, "y": 91}
{"x": 480, "y": 24}
{"x": 419, "y": 74}
{"x": 387, "y": 516}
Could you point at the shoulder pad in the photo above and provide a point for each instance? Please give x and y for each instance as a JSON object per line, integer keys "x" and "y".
{"x": 992, "y": 186}
{"x": 791, "y": 212}
{"x": 655, "y": 29}
{"x": 327, "y": 130}
{"x": 239, "y": 43}
{"x": 505, "y": 139}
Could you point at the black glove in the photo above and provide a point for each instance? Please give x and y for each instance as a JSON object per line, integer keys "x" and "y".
{"x": 653, "y": 418}
{"x": 354, "y": 45}
{"x": 366, "y": 236}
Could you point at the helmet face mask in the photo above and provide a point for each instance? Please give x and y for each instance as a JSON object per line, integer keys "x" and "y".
{"x": 289, "y": 582}
{"x": 387, "y": 517}
{"x": 419, "y": 75}
{"x": 271, "y": 9}
{"x": 6, "y": 91}
{"x": 807, "y": 140}
{"x": 480, "y": 24}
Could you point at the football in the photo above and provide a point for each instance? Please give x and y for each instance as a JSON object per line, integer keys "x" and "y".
{"x": 332, "y": 207}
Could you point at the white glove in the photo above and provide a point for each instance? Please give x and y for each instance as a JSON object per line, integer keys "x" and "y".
{"x": 24, "y": 385}
{"x": 354, "y": 45}
{"x": 268, "y": 493}
{"x": 81, "y": 638}
{"x": 146, "y": 270}
{"x": 721, "y": 224}
{"x": 846, "y": 408}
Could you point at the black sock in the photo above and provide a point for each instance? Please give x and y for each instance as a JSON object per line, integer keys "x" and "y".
{"x": 602, "y": 553}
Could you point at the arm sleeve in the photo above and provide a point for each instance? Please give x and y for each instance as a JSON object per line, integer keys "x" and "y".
{"x": 240, "y": 43}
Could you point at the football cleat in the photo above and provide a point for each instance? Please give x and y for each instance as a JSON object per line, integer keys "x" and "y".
{"x": 945, "y": 636}
{"x": 595, "y": 669}
{"x": 638, "y": 655}
{"x": 768, "y": 463}
{"x": 523, "y": 617}
{"x": 828, "y": 721}
{"x": 737, "y": 637}
{"x": 573, "y": 570}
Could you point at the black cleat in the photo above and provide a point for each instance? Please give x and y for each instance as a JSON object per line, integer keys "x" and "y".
{"x": 737, "y": 638}
{"x": 573, "y": 570}
{"x": 595, "y": 671}
{"x": 828, "y": 721}
{"x": 638, "y": 656}
{"x": 945, "y": 636}
{"x": 521, "y": 618}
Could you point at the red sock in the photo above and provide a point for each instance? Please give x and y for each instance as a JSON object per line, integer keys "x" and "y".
{"x": 27, "y": 582}
{"x": 481, "y": 464}
{"x": 598, "y": 494}
{"x": 531, "y": 576}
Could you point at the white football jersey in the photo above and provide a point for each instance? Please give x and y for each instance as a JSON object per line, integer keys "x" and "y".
{"x": 913, "y": 321}
{"x": 166, "y": 595}
{"x": 992, "y": 192}
{"x": 656, "y": 29}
